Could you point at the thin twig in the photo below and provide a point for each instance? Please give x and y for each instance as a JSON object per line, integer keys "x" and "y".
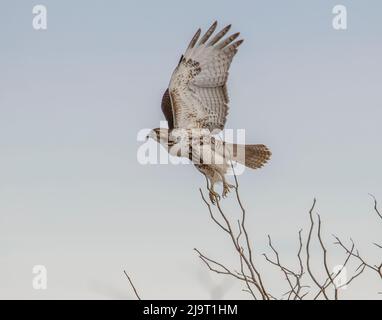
{"x": 132, "y": 285}
{"x": 325, "y": 258}
{"x": 376, "y": 206}
{"x": 312, "y": 276}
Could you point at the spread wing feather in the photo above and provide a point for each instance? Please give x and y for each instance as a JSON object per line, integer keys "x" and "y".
{"x": 197, "y": 90}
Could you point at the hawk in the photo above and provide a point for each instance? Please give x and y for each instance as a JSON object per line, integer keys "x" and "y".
{"x": 195, "y": 106}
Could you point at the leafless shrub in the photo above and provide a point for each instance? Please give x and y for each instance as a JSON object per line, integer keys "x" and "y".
{"x": 303, "y": 283}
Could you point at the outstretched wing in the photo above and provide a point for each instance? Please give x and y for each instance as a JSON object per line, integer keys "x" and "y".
{"x": 197, "y": 90}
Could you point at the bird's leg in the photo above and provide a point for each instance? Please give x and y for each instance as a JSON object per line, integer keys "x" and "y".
{"x": 207, "y": 181}
{"x": 226, "y": 187}
{"x": 214, "y": 196}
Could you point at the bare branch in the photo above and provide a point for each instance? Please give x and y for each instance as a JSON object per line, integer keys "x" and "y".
{"x": 245, "y": 259}
{"x": 325, "y": 258}
{"x": 132, "y": 285}
{"x": 211, "y": 213}
{"x": 308, "y": 255}
{"x": 356, "y": 255}
{"x": 376, "y": 206}
{"x": 246, "y": 280}
{"x": 294, "y": 288}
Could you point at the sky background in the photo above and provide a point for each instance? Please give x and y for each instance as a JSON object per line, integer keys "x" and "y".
{"x": 72, "y": 99}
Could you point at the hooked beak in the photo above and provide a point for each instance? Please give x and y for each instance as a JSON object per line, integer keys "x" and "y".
{"x": 151, "y": 134}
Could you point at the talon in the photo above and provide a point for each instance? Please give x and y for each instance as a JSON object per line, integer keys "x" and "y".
{"x": 214, "y": 196}
{"x": 226, "y": 189}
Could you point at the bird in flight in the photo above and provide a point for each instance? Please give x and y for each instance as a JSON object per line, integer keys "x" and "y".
{"x": 195, "y": 106}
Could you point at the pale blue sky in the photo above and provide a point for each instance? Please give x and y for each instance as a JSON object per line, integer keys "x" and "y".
{"x": 73, "y": 97}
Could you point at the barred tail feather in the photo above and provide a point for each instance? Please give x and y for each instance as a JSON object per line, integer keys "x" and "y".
{"x": 253, "y": 156}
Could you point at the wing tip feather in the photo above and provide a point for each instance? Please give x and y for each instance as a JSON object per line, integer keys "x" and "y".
{"x": 194, "y": 39}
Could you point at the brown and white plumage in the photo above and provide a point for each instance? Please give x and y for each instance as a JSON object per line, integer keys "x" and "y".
{"x": 198, "y": 89}
{"x": 197, "y": 98}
